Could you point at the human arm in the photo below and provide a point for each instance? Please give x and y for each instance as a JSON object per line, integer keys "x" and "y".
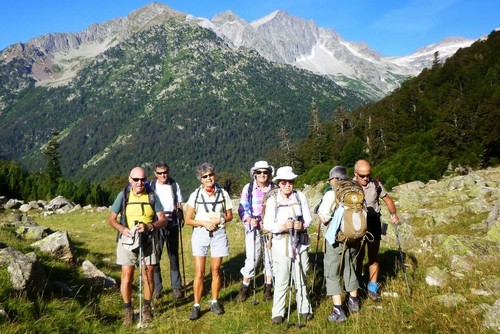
{"x": 326, "y": 208}
{"x": 306, "y": 218}
{"x": 114, "y": 223}
{"x": 244, "y": 208}
{"x": 392, "y": 209}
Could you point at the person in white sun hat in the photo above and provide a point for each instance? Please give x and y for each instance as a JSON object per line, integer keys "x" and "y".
{"x": 250, "y": 212}
{"x": 287, "y": 217}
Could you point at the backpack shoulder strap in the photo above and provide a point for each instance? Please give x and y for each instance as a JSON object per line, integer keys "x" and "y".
{"x": 172, "y": 182}
{"x": 249, "y": 197}
{"x": 378, "y": 187}
{"x": 126, "y": 193}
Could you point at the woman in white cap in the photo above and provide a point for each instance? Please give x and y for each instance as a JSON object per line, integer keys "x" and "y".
{"x": 207, "y": 210}
{"x": 250, "y": 211}
{"x": 287, "y": 217}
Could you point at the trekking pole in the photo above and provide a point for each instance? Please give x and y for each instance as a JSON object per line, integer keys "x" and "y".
{"x": 290, "y": 234}
{"x": 255, "y": 302}
{"x": 267, "y": 252}
{"x": 180, "y": 217}
{"x": 402, "y": 260}
{"x": 318, "y": 237}
{"x": 139, "y": 324}
{"x": 299, "y": 280}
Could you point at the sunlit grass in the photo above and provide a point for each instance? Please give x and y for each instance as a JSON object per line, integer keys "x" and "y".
{"x": 92, "y": 311}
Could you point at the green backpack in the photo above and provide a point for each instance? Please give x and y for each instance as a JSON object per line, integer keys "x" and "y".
{"x": 349, "y": 194}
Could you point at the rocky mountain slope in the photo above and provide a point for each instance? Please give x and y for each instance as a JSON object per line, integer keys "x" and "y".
{"x": 171, "y": 90}
{"x": 54, "y": 59}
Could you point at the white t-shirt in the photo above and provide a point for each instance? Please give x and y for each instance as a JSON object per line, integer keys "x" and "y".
{"x": 166, "y": 194}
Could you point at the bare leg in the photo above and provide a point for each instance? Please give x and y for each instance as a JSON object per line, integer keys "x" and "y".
{"x": 199, "y": 268}
{"x": 215, "y": 265}
{"x": 127, "y": 278}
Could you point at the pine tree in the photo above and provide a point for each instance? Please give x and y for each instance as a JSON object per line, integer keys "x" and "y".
{"x": 53, "y": 168}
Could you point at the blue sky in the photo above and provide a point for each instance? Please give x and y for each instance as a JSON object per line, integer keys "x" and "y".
{"x": 390, "y": 27}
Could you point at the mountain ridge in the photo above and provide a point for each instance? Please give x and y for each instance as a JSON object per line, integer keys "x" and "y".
{"x": 59, "y": 56}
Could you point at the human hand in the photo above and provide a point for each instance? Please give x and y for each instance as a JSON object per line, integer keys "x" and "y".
{"x": 126, "y": 232}
{"x": 297, "y": 225}
{"x": 394, "y": 218}
{"x": 141, "y": 227}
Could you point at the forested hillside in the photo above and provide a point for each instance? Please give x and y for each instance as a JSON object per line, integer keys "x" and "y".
{"x": 447, "y": 115}
{"x": 174, "y": 92}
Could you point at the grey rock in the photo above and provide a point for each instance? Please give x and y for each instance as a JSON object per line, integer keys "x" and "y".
{"x": 451, "y": 299}
{"x": 58, "y": 203}
{"x": 461, "y": 263}
{"x": 96, "y": 277}
{"x": 13, "y": 204}
{"x": 492, "y": 318}
{"x": 33, "y": 232}
{"x": 436, "y": 277}
{"x": 58, "y": 245}
{"x": 26, "y": 273}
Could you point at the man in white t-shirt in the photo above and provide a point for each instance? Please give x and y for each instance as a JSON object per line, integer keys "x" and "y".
{"x": 170, "y": 196}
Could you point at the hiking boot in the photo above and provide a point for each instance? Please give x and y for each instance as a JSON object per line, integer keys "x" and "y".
{"x": 158, "y": 294}
{"x": 338, "y": 315}
{"x": 195, "y": 313}
{"x": 268, "y": 295}
{"x": 147, "y": 316}
{"x": 353, "y": 304}
{"x": 277, "y": 320}
{"x": 307, "y": 316}
{"x": 374, "y": 296}
{"x": 178, "y": 294}
{"x": 128, "y": 316}
{"x": 242, "y": 295}
{"x": 216, "y": 308}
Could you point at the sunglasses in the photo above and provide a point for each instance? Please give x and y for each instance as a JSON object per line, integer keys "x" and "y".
{"x": 258, "y": 172}
{"x": 285, "y": 182}
{"x": 364, "y": 176}
{"x": 207, "y": 175}
{"x": 137, "y": 179}
{"x": 161, "y": 173}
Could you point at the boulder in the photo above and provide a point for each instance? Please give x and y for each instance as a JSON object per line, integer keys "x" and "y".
{"x": 33, "y": 232}
{"x": 436, "y": 277}
{"x": 492, "y": 318}
{"x": 13, "y": 204}
{"x": 26, "y": 273}
{"x": 58, "y": 203}
{"x": 58, "y": 245}
{"x": 451, "y": 299}
{"x": 96, "y": 277}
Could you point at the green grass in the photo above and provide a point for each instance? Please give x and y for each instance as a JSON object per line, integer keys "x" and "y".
{"x": 101, "y": 312}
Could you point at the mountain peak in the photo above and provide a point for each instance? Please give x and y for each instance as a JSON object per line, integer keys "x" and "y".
{"x": 266, "y": 18}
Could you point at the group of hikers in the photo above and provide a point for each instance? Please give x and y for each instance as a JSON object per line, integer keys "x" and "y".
{"x": 276, "y": 217}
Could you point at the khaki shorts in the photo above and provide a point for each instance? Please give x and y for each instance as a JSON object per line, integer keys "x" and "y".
{"x": 125, "y": 257}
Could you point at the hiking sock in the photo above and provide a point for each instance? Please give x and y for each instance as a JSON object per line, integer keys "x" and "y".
{"x": 373, "y": 287}
{"x": 196, "y": 305}
{"x": 214, "y": 301}
{"x": 125, "y": 305}
{"x": 246, "y": 284}
{"x": 147, "y": 302}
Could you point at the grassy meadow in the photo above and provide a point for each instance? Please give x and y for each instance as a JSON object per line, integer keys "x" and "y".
{"x": 101, "y": 312}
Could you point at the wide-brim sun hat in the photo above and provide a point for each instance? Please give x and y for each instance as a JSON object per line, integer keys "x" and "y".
{"x": 285, "y": 173}
{"x": 261, "y": 165}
